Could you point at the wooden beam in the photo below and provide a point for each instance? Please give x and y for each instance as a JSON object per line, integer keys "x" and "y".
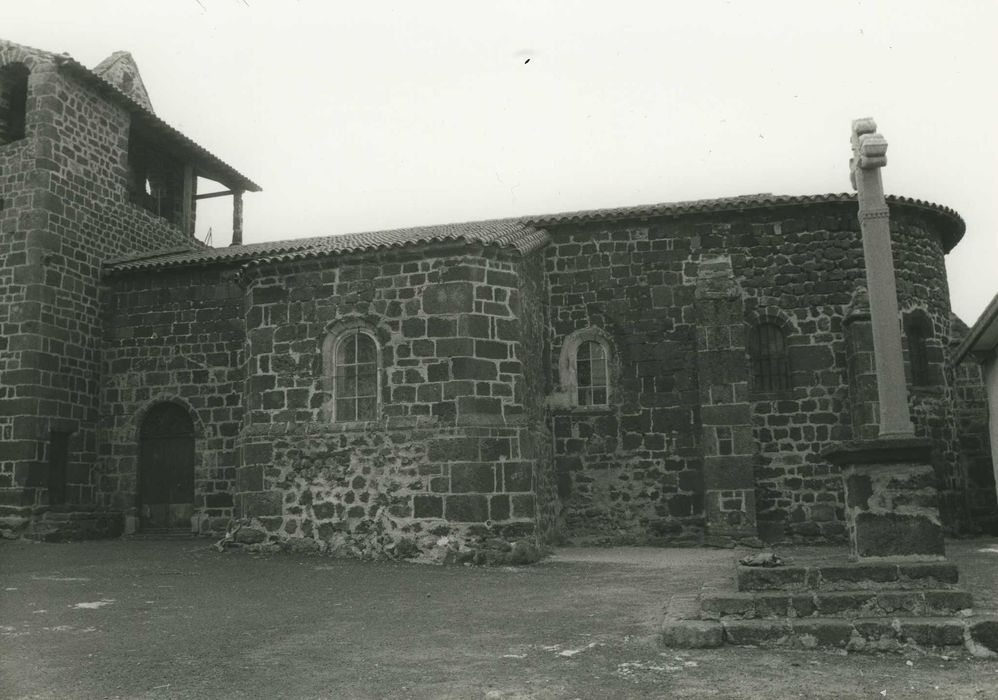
{"x": 237, "y": 218}
{"x": 209, "y": 195}
{"x": 187, "y": 214}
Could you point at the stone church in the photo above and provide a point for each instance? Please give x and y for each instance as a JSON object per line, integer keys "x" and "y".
{"x": 669, "y": 373}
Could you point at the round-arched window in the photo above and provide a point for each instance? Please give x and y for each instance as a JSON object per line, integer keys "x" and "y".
{"x": 591, "y": 374}
{"x": 355, "y": 377}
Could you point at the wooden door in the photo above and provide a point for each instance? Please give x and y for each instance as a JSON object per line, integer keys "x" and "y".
{"x": 166, "y": 469}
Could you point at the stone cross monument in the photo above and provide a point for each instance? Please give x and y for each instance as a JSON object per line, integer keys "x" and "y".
{"x": 890, "y": 486}
{"x": 869, "y": 155}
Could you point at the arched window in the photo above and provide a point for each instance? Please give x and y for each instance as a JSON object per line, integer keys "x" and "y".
{"x": 767, "y": 348}
{"x": 592, "y": 374}
{"x": 584, "y": 368}
{"x": 917, "y": 331}
{"x": 355, "y": 377}
{"x": 13, "y": 102}
{"x": 352, "y": 369}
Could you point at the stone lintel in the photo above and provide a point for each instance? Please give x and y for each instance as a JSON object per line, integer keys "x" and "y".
{"x": 884, "y": 450}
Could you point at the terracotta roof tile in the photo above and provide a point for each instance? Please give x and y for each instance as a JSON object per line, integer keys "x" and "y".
{"x": 504, "y": 233}
{"x": 751, "y": 201}
{"x": 525, "y": 234}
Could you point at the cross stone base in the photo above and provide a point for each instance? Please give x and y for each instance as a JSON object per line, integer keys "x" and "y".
{"x": 891, "y": 498}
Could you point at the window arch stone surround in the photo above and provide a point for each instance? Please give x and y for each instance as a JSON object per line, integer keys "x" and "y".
{"x": 567, "y": 394}
{"x": 755, "y": 321}
{"x": 336, "y": 333}
{"x": 921, "y": 349}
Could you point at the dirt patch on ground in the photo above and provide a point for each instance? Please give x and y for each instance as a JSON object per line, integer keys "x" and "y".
{"x": 175, "y": 619}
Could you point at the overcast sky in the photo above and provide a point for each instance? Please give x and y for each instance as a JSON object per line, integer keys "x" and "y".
{"x": 365, "y": 116}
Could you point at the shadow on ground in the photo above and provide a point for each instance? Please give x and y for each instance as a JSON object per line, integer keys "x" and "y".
{"x": 175, "y": 619}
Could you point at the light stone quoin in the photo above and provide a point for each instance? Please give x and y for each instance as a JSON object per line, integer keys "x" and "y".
{"x": 869, "y": 156}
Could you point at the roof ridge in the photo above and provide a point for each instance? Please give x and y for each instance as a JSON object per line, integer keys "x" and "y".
{"x": 733, "y": 202}
{"x": 505, "y": 233}
{"x": 134, "y": 257}
{"x": 528, "y": 232}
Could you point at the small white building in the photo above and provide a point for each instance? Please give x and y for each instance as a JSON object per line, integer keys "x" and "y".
{"x": 982, "y": 343}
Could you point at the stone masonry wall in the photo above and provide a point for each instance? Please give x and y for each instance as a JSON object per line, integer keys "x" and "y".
{"x": 70, "y": 212}
{"x": 634, "y": 472}
{"x": 448, "y": 466}
{"x": 923, "y": 290}
{"x": 801, "y": 271}
{"x": 536, "y": 435}
{"x": 177, "y": 336}
{"x": 65, "y": 211}
{"x": 970, "y": 409}
{"x": 631, "y": 472}
{"x": 14, "y": 200}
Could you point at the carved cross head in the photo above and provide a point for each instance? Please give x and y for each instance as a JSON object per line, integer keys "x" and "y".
{"x": 869, "y": 149}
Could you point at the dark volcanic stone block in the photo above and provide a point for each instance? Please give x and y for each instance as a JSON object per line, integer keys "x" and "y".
{"x": 428, "y": 506}
{"x": 985, "y": 633}
{"x": 692, "y": 634}
{"x": 788, "y": 578}
{"x": 499, "y": 507}
{"x": 772, "y": 604}
{"x": 859, "y": 574}
{"x": 518, "y": 476}
{"x": 454, "y": 449}
{"x": 803, "y": 604}
{"x": 718, "y": 605}
{"x": 467, "y": 509}
{"x": 823, "y": 633}
{"x": 449, "y": 298}
{"x": 758, "y": 632}
{"x": 903, "y": 602}
{"x": 876, "y": 629}
{"x": 479, "y": 404}
{"x": 845, "y": 602}
{"x": 324, "y": 510}
{"x": 858, "y": 490}
{"x": 897, "y": 534}
{"x": 472, "y": 477}
{"x": 933, "y": 632}
{"x": 472, "y": 368}
{"x": 928, "y": 573}
{"x": 947, "y": 602}
{"x": 261, "y": 503}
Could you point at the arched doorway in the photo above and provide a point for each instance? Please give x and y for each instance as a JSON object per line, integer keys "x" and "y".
{"x": 166, "y": 469}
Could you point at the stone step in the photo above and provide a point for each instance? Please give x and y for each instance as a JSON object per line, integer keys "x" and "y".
{"x": 855, "y": 603}
{"x": 94, "y": 526}
{"x": 872, "y": 634}
{"x": 853, "y": 576}
{"x": 45, "y": 533}
{"x": 161, "y": 535}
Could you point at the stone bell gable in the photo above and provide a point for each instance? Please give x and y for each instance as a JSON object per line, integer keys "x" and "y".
{"x": 87, "y": 173}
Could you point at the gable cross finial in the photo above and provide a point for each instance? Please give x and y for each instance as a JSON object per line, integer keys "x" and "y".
{"x": 869, "y": 149}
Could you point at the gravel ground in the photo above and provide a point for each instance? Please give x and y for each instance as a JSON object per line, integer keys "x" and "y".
{"x": 175, "y": 619}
